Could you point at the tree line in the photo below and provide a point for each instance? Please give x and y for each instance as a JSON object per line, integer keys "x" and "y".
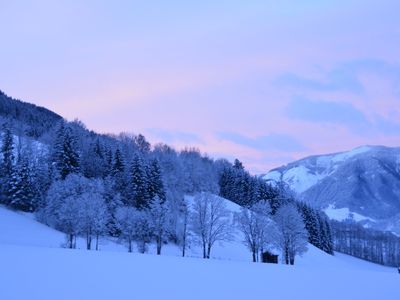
{"x": 376, "y": 246}
{"x": 237, "y": 185}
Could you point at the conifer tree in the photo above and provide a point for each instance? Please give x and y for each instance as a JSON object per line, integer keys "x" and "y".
{"x": 21, "y": 190}
{"x": 7, "y": 151}
{"x": 108, "y": 162}
{"x": 120, "y": 181}
{"x": 65, "y": 156}
{"x": 6, "y": 165}
{"x": 93, "y": 161}
{"x": 118, "y": 165}
{"x": 138, "y": 196}
{"x": 155, "y": 183}
{"x": 238, "y": 164}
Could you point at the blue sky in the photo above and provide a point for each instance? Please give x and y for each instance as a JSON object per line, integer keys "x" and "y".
{"x": 263, "y": 81}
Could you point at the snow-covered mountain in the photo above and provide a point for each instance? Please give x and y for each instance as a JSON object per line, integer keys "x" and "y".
{"x": 363, "y": 183}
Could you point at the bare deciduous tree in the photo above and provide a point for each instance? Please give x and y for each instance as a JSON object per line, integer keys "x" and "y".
{"x": 255, "y": 224}
{"x": 210, "y": 221}
{"x": 291, "y": 236}
{"x": 158, "y": 218}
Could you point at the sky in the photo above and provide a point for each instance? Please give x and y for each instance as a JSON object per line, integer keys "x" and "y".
{"x": 267, "y": 82}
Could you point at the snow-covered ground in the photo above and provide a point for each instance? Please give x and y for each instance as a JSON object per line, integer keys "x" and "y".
{"x": 341, "y": 214}
{"x": 33, "y": 266}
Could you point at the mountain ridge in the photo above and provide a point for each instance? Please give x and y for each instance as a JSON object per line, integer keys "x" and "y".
{"x": 365, "y": 180}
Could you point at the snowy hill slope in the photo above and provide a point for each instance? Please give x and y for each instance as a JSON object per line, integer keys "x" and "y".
{"x": 32, "y": 269}
{"x": 363, "y": 183}
{"x": 21, "y": 229}
{"x": 18, "y": 228}
{"x": 77, "y": 274}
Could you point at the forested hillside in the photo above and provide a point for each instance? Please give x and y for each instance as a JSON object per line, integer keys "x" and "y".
{"x": 92, "y": 185}
{"x": 27, "y": 119}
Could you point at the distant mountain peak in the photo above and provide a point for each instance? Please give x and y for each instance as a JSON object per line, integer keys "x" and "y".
{"x": 364, "y": 182}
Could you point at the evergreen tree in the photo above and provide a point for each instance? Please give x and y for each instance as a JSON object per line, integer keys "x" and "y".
{"x": 7, "y": 152}
{"x": 118, "y": 175}
{"x": 225, "y": 183}
{"x": 138, "y": 195}
{"x": 155, "y": 187}
{"x": 22, "y": 195}
{"x": 329, "y": 237}
{"x": 238, "y": 165}
{"x": 118, "y": 165}
{"x": 317, "y": 226}
{"x": 108, "y": 159}
{"x": 6, "y": 165}
{"x": 93, "y": 161}
{"x": 66, "y": 156}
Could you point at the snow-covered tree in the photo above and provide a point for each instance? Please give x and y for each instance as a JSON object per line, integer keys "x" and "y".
{"x": 137, "y": 187}
{"x": 183, "y": 232}
{"x": 118, "y": 168}
{"x": 317, "y": 226}
{"x": 141, "y": 143}
{"x": 198, "y": 172}
{"x": 134, "y": 225}
{"x": 68, "y": 219}
{"x": 6, "y": 164}
{"x": 65, "y": 152}
{"x": 158, "y": 218}
{"x": 113, "y": 200}
{"x": 143, "y": 230}
{"x": 210, "y": 221}
{"x": 255, "y": 224}
{"x": 126, "y": 221}
{"x": 21, "y": 190}
{"x": 93, "y": 217}
{"x": 291, "y": 237}
{"x": 155, "y": 185}
{"x": 93, "y": 161}
{"x": 118, "y": 165}
{"x": 7, "y": 151}
{"x": 70, "y": 206}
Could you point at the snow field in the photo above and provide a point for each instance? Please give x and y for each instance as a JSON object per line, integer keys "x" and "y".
{"x": 33, "y": 266}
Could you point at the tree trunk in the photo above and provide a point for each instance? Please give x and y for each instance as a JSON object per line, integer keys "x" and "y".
{"x": 183, "y": 245}
{"x": 71, "y": 241}
{"x": 129, "y": 245}
{"x": 184, "y": 238}
{"x": 159, "y": 245}
{"x": 88, "y": 241}
{"x": 204, "y": 250}
{"x": 254, "y": 256}
{"x": 142, "y": 246}
{"x": 286, "y": 256}
{"x": 209, "y": 250}
{"x": 97, "y": 242}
